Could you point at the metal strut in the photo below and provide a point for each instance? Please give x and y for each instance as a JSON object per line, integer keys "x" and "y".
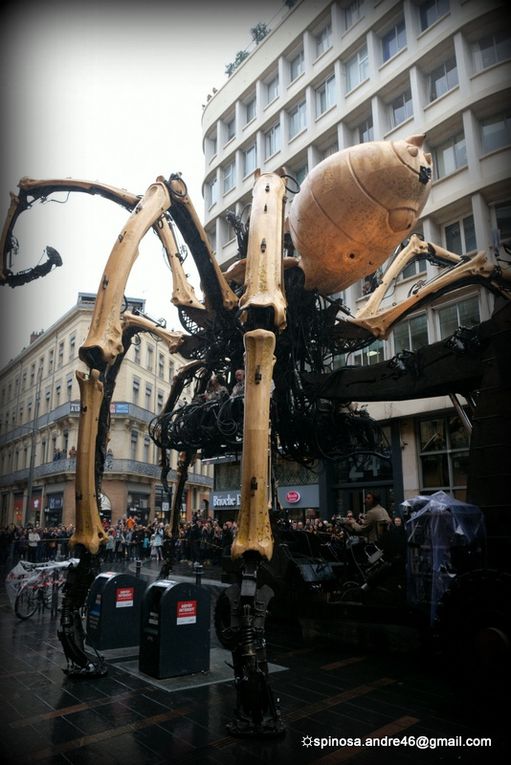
{"x": 71, "y": 633}
{"x": 257, "y": 712}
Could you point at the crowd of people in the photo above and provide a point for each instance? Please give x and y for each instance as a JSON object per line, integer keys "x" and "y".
{"x": 33, "y": 543}
{"x": 199, "y": 541}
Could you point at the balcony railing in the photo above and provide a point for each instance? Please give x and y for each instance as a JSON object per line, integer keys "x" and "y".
{"x": 72, "y": 409}
{"x": 112, "y": 467}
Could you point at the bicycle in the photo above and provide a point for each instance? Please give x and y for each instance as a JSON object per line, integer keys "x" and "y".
{"x": 39, "y": 593}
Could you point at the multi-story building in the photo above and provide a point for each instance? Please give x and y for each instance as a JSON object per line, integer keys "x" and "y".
{"x": 330, "y": 75}
{"x": 39, "y": 413}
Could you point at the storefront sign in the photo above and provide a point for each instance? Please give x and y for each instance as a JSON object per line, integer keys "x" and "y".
{"x": 227, "y": 499}
{"x": 293, "y": 496}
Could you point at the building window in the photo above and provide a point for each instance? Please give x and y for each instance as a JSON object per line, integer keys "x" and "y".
{"x": 411, "y": 334}
{"x": 272, "y": 90}
{"x": 229, "y": 177}
{"x": 503, "y": 217}
{"x": 325, "y": 96}
{"x": 401, "y": 108}
{"x": 69, "y": 386}
{"x": 51, "y": 355}
{"x": 212, "y": 146}
{"x": 430, "y": 11}
{"x": 136, "y": 389}
{"x": 148, "y": 395}
{"x": 23, "y": 382}
{"x": 492, "y": 49}
{"x": 460, "y": 236}
{"x": 369, "y": 283}
{"x": 72, "y": 348}
{"x": 301, "y": 174}
{"x": 159, "y": 400}
{"x": 352, "y": 13}
{"x": 495, "y": 133}
{"x": 451, "y": 155}
{"x": 443, "y": 78}
{"x": 465, "y": 313}
{"x": 416, "y": 267}
{"x": 296, "y": 66}
{"x": 133, "y": 444}
{"x": 324, "y": 40}
{"x": 443, "y": 449}
{"x": 171, "y": 371}
{"x": 365, "y": 131}
{"x": 297, "y": 120}
{"x": 250, "y": 110}
{"x": 272, "y": 141}
{"x": 58, "y": 388}
{"x": 212, "y": 192}
{"x": 150, "y": 358}
{"x": 60, "y": 357}
{"x": 249, "y": 160}
{"x": 330, "y": 150}
{"x": 357, "y": 69}
{"x": 230, "y": 129}
{"x": 136, "y": 353}
{"x": 147, "y": 444}
{"x": 366, "y": 357}
{"x": 228, "y": 230}
{"x": 393, "y": 41}
{"x": 161, "y": 366}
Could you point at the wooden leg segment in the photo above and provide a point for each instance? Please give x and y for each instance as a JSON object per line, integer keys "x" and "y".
{"x": 254, "y": 532}
{"x": 89, "y": 530}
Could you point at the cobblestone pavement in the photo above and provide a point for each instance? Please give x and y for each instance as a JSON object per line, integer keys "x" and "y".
{"x": 339, "y": 705}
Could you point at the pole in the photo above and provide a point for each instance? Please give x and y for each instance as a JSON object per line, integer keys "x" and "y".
{"x": 30, "y": 479}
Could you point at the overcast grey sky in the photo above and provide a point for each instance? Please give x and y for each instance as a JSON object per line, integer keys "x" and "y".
{"x": 108, "y": 91}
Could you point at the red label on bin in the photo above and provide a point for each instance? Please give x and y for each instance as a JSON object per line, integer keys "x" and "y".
{"x": 124, "y": 597}
{"x": 186, "y": 612}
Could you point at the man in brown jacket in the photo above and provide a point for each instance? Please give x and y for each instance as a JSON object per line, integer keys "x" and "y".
{"x": 376, "y": 519}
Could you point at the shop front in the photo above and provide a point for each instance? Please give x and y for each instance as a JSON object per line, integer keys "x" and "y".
{"x": 299, "y": 502}
{"x": 53, "y": 510}
{"x": 138, "y": 506}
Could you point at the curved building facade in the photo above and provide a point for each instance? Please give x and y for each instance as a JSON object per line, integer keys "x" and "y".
{"x": 331, "y": 75}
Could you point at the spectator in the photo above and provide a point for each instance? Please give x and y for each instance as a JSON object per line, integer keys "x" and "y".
{"x": 33, "y": 543}
{"x": 239, "y": 385}
{"x": 216, "y": 389}
{"x": 376, "y": 519}
{"x": 156, "y": 543}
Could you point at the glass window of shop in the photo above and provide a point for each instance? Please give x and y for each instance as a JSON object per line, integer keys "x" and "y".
{"x": 53, "y": 509}
{"x": 360, "y": 473}
{"x": 443, "y": 448}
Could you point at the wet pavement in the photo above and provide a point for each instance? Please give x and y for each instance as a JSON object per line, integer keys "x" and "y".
{"x": 339, "y": 704}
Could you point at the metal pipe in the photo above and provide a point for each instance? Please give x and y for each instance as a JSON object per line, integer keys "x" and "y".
{"x": 465, "y": 419}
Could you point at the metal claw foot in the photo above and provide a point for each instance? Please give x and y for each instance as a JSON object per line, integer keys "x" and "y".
{"x": 257, "y": 713}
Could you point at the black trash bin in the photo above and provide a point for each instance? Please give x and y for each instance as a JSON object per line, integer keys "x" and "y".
{"x": 175, "y": 631}
{"x": 113, "y": 611}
